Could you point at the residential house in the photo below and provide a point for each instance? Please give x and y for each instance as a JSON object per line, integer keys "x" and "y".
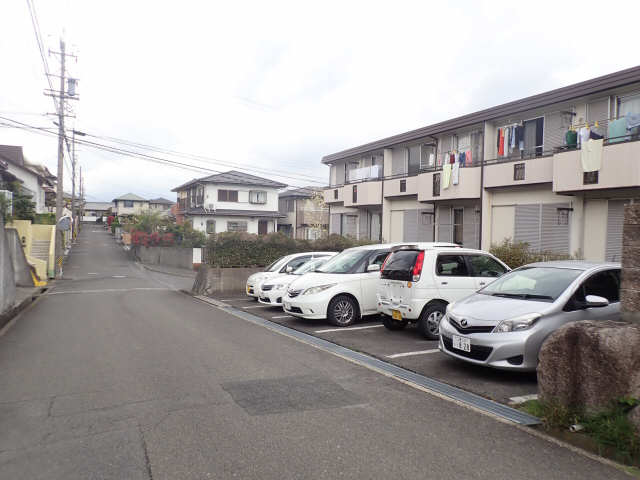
{"x": 535, "y": 189}
{"x": 232, "y": 201}
{"x": 307, "y": 216}
{"x": 161, "y": 205}
{"x": 130, "y": 204}
{"x": 35, "y": 180}
{"x": 95, "y": 210}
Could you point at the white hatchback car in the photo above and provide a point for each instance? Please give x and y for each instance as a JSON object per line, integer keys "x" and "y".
{"x": 342, "y": 290}
{"x": 285, "y": 264}
{"x": 418, "y": 281}
{"x": 272, "y": 290}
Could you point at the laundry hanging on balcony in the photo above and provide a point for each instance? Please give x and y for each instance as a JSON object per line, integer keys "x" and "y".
{"x": 509, "y": 138}
{"x": 591, "y": 155}
{"x": 446, "y": 175}
{"x": 455, "y": 173}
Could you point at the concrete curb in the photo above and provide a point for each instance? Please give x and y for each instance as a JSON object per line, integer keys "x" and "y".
{"x": 8, "y": 316}
{"x": 157, "y": 270}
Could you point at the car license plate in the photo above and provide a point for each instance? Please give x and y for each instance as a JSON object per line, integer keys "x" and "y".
{"x": 287, "y": 306}
{"x": 248, "y": 289}
{"x": 461, "y": 343}
{"x": 396, "y": 314}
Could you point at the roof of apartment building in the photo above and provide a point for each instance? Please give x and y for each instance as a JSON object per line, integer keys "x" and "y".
{"x": 130, "y": 196}
{"x": 162, "y": 200}
{"x": 98, "y": 205}
{"x": 304, "y": 192}
{"x": 588, "y": 87}
{"x": 224, "y": 212}
{"x": 233, "y": 177}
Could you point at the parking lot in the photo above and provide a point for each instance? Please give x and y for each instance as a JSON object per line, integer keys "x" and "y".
{"x": 404, "y": 348}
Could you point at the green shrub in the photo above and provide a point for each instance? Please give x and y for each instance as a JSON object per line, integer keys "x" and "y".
{"x": 45, "y": 219}
{"x": 516, "y": 254}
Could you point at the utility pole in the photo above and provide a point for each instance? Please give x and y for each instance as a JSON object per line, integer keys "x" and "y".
{"x": 73, "y": 186}
{"x": 60, "y": 183}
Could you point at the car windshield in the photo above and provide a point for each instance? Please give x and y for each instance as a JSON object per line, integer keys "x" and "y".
{"x": 277, "y": 265}
{"x": 533, "y": 283}
{"x": 344, "y": 262}
{"x": 310, "y": 266}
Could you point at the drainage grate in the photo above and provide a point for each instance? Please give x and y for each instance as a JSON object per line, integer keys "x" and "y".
{"x": 462, "y": 396}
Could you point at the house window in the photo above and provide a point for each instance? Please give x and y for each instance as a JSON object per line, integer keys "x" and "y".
{"x": 563, "y": 216}
{"x": 518, "y": 171}
{"x": 257, "y": 196}
{"x": 403, "y": 185}
{"x": 211, "y": 226}
{"x": 236, "y": 226}
{"x": 335, "y": 194}
{"x": 436, "y": 185}
{"x": 590, "y": 178}
{"x": 534, "y": 137}
{"x": 291, "y": 205}
{"x": 458, "y": 214}
{"x": 128, "y": 204}
{"x": 413, "y": 155}
{"x": 227, "y": 195}
{"x": 355, "y": 194}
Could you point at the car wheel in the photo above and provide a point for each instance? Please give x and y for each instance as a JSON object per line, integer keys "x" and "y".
{"x": 392, "y": 324}
{"x": 429, "y": 323}
{"x": 343, "y": 311}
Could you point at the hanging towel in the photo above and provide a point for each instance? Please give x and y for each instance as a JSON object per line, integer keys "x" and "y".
{"x": 583, "y": 135}
{"x": 468, "y": 160}
{"x": 446, "y": 175}
{"x": 452, "y": 158}
{"x": 512, "y": 144}
{"x": 498, "y": 142}
{"x": 617, "y": 130}
{"x": 461, "y": 158}
{"x": 501, "y": 144}
{"x": 506, "y": 142}
{"x": 455, "y": 173}
{"x": 431, "y": 159}
{"x": 591, "y": 155}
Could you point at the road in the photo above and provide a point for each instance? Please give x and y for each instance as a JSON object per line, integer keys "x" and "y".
{"x": 115, "y": 374}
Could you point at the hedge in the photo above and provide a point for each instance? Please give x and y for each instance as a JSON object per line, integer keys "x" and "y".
{"x": 249, "y": 250}
{"x": 516, "y": 254}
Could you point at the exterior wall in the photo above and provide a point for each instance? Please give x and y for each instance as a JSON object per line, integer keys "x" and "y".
{"x": 537, "y": 170}
{"x": 200, "y": 223}
{"x": 30, "y": 182}
{"x": 468, "y": 186}
{"x": 392, "y": 187}
{"x": 393, "y": 217}
{"x": 595, "y": 218}
{"x": 369, "y": 193}
{"x": 138, "y": 207}
{"x": 211, "y": 197}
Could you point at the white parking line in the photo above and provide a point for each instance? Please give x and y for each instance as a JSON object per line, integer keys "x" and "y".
{"x": 282, "y": 316}
{"x": 92, "y": 273}
{"x": 118, "y": 276}
{"x": 409, "y": 354}
{"x": 346, "y": 329}
{"x": 257, "y": 306}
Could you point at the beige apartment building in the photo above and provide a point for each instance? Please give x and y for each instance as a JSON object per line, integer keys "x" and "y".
{"x": 305, "y": 216}
{"x": 553, "y": 169}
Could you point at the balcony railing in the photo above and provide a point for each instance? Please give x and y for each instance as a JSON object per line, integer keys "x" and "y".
{"x": 374, "y": 172}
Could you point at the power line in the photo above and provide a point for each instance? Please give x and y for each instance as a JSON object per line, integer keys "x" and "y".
{"x": 38, "y": 34}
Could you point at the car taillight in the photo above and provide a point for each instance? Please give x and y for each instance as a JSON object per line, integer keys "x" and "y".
{"x": 417, "y": 267}
{"x": 385, "y": 262}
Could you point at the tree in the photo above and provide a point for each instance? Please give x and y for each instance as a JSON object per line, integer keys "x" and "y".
{"x": 23, "y": 207}
{"x": 148, "y": 221}
{"x": 319, "y": 214}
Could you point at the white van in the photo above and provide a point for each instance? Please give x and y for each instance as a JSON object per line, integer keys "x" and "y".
{"x": 418, "y": 281}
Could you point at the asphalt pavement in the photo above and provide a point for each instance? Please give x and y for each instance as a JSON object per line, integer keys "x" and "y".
{"x": 116, "y": 374}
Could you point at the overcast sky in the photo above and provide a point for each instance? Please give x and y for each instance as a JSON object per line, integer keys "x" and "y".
{"x": 277, "y": 85}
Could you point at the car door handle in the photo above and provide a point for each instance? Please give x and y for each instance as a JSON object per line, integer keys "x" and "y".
{"x": 445, "y": 283}
{"x": 482, "y": 284}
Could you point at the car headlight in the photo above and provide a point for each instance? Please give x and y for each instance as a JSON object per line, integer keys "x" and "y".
{"x": 517, "y": 324}
{"x": 318, "y": 289}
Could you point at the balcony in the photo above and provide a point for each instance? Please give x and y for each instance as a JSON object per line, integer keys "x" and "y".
{"x": 468, "y": 185}
{"x": 363, "y": 194}
{"x": 518, "y": 172}
{"x": 620, "y": 169}
{"x": 364, "y": 174}
{"x": 400, "y": 187}
{"x": 332, "y": 195}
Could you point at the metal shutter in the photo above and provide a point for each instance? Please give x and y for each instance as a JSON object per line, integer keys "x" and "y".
{"x": 444, "y": 224}
{"x": 334, "y": 224}
{"x": 410, "y": 233}
{"x": 527, "y": 227}
{"x": 615, "y": 221}
{"x": 598, "y": 110}
{"x": 375, "y": 226}
{"x": 425, "y": 226}
{"x": 363, "y": 233}
{"x": 470, "y": 230}
{"x": 555, "y": 233}
{"x": 349, "y": 225}
{"x": 554, "y": 131}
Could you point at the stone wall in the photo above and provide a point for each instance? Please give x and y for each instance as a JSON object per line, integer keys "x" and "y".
{"x": 177, "y": 257}
{"x": 630, "y": 291}
{"x": 7, "y": 280}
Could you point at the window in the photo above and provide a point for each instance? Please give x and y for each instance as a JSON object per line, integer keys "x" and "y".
{"x": 518, "y": 171}
{"x": 199, "y": 195}
{"x": 563, "y": 216}
{"x": 414, "y": 160}
{"x": 227, "y": 195}
{"x": 403, "y": 185}
{"x": 485, "y": 266}
{"x": 541, "y": 284}
{"x": 236, "y": 226}
{"x": 335, "y": 194}
{"x": 628, "y": 104}
{"x": 291, "y": 205}
{"x": 451, "y": 266}
{"x": 534, "y": 136}
{"x": 603, "y": 284}
{"x": 257, "y": 196}
{"x": 377, "y": 258}
{"x": 355, "y": 194}
{"x": 590, "y": 178}
{"x": 295, "y": 263}
{"x": 436, "y": 185}
{"x": 458, "y": 214}
{"x": 211, "y": 226}
{"x": 128, "y": 204}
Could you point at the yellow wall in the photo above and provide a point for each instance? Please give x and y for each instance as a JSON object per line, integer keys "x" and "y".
{"x": 24, "y": 231}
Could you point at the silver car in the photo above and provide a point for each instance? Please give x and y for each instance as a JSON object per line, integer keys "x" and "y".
{"x": 504, "y": 324}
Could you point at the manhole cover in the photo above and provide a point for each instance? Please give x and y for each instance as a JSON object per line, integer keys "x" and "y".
{"x": 289, "y": 394}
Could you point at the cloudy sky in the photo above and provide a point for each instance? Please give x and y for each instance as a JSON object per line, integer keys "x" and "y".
{"x": 271, "y": 87}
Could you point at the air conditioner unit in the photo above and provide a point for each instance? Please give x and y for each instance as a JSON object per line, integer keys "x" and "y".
{"x": 8, "y": 195}
{"x": 210, "y": 207}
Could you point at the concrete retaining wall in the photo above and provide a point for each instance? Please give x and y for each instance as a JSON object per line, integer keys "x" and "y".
{"x": 7, "y": 281}
{"x": 213, "y": 280}
{"x": 21, "y": 269}
{"x": 177, "y": 257}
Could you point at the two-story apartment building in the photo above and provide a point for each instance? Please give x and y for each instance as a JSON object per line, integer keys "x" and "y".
{"x": 513, "y": 171}
{"x": 129, "y": 204}
{"x": 230, "y": 202}
{"x": 306, "y": 216}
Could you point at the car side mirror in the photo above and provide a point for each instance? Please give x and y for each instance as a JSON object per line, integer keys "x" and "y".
{"x": 373, "y": 268}
{"x": 289, "y": 269}
{"x": 594, "y": 301}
